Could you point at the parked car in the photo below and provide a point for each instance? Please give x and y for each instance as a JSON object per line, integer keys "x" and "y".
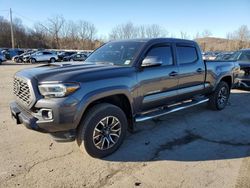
{"x": 64, "y": 54}
{"x": 224, "y": 56}
{"x": 12, "y": 52}
{"x": 43, "y": 56}
{"x": 2, "y": 58}
{"x": 243, "y": 58}
{"x": 210, "y": 55}
{"x": 20, "y": 58}
{"x": 75, "y": 57}
{"x": 120, "y": 83}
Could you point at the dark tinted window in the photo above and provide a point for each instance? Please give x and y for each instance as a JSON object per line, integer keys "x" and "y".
{"x": 162, "y": 54}
{"x": 186, "y": 54}
{"x": 47, "y": 53}
{"x": 245, "y": 56}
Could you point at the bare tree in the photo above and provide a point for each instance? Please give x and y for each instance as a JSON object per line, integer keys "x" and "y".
{"x": 184, "y": 35}
{"x": 129, "y": 30}
{"x": 54, "y": 26}
{"x": 87, "y": 32}
{"x": 123, "y": 31}
{"x": 206, "y": 33}
{"x": 154, "y": 30}
{"x": 242, "y": 35}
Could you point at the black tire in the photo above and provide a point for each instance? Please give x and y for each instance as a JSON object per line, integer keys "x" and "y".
{"x": 219, "y": 98}
{"x": 0, "y": 62}
{"x": 19, "y": 60}
{"x": 52, "y": 60}
{"x": 91, "y": 121}
{"x": 32, "y": 60}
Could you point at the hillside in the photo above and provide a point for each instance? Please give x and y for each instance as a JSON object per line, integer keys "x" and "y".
{"x": 221, "y": 44}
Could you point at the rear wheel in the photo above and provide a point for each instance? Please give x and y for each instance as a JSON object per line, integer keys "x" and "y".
{"x": 219, "y": 98}
{"x": 19, "y": 60}
{"x": 102, "y": 130}
{"x": 52, "y": 60}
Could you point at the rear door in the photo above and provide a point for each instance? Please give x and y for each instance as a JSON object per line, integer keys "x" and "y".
{"x": 192, "y": 71}
{"x": 160, "y": 83}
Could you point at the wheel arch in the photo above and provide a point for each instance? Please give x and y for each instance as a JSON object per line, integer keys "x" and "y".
{"x": 228, "y": 79}
{"x": 120, "y": 99}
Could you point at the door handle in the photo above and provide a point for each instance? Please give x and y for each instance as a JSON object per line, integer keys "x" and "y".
{"x": 173, "y": 73}
{"x": 199, "y": 70}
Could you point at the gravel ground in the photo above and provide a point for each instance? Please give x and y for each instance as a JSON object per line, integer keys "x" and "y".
{"x": 192, "y": 148}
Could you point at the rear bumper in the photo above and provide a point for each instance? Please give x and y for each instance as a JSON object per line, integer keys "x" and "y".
{"x": 60, "y": 132}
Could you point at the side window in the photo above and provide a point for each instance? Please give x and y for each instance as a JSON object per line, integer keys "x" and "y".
{"x": 163, "y": 54}
{"x": 245, "y": 57}
{"x": 186, "y": 54}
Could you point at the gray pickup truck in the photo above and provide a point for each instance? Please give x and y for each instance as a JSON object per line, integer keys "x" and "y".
{"x": 95, "y": 102}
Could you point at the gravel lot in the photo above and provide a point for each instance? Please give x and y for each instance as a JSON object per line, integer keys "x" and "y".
{"x": 192, "y": 148}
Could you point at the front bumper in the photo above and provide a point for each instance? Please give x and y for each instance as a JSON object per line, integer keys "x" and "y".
{"x": 23, "y": 117}
{"x": 60, "y": 131}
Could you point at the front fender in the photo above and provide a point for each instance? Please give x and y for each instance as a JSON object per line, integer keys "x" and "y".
{"x": 99, "y": 94}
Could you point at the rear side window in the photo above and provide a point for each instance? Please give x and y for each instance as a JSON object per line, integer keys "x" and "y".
{"x": 47, "y": 53}
{"x": 163, "y": 54}
{"x": 186, "y": 54}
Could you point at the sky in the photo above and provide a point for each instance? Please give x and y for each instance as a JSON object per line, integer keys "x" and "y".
{"x": 190, "y": 16}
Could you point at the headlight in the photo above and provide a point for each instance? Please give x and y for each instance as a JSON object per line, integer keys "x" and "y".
{"x": 58, "y": 90}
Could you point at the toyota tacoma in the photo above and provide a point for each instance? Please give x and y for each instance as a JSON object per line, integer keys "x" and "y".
{"x": 123, "y": 82}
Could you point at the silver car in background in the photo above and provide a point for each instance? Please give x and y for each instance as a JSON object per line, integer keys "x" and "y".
{"x": 43, "y": 56}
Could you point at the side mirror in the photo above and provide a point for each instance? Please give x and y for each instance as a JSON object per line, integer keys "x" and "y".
{"x": 151, "y": 61}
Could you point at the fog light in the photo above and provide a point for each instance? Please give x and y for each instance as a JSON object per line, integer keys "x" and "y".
{"x": 46, "y": 114}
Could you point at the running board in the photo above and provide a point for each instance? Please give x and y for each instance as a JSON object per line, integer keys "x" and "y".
{"x": 168, "y": 110}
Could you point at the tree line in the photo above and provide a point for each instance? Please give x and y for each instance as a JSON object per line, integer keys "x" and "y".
{"x": 58, "y": 33}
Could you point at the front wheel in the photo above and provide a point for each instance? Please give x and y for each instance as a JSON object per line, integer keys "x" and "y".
{"x": 102, "y": 130}
{"x": 32, "y": 60}
{"x": 219, "y": 98}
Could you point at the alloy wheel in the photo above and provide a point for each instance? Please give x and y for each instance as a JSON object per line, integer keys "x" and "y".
{"x": 107, "y": 133}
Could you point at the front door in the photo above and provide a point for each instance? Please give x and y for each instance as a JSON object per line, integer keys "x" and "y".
{"x": 158, "y": 84}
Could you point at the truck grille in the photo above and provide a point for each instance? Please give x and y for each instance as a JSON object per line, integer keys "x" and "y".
{"x": 22, "y": 90}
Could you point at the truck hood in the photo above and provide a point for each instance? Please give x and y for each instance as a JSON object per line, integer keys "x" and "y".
{"x": 72, "y": 72}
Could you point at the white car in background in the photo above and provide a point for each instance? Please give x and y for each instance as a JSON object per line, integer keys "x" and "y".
{"x": 43, "y": 56}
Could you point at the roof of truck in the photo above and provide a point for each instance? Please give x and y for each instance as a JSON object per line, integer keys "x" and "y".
{"x": 155, "y": 40}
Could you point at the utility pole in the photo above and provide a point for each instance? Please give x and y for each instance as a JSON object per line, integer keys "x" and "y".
{"x": 11, "y": 30}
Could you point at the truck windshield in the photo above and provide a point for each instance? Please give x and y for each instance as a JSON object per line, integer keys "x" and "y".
{"x": 116, "y": 53}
